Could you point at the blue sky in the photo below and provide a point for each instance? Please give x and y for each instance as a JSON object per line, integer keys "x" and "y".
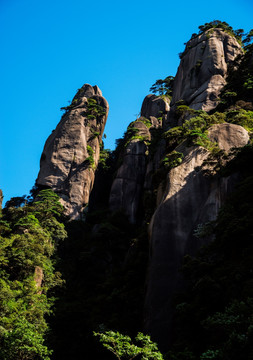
{"x": 50, "y": 48}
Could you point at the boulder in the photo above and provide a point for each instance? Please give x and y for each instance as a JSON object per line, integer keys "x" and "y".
{"x": 155, "y": 106}
{"x": 228, "y": 136}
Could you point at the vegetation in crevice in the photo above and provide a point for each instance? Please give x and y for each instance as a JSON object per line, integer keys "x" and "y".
{"x": 133, "y": 133}
{"x": 238, "y": 91}
{"x": 94, "y": 110}
{"x": 173, "y": 159}
{"x": 213, "y": 317}
{"x": 145, "y": 121}
{"x": 194, "y": 131}
{"x": 104, "y": 260}
{"x": 94, "y": 133}
{"x": 90, "y": 158}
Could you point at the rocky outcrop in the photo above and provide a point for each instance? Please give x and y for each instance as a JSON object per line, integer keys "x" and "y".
{"x": 203, "y": 69}
{"x": 155, "y": 106}
{"x": 38, "y": 276}
{"x": 71, "y": 152}
{"x": 128, "y": 184}
{"x": 127, "y": 187}
{"x": 228, "y": 136}
{"x": 190, "y": 198}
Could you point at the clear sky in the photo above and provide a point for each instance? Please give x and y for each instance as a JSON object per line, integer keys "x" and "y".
{"x": 50, "y": 48}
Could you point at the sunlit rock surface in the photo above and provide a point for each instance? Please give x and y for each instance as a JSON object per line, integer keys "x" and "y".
{"x": 71, "y": 152}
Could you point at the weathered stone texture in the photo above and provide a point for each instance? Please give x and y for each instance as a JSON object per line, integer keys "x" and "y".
{"x": 155, "y": 106}
{"x": 203, "y": 69}
{"x": 66, "y": 162}
{"x": 127, "y": 187}
{"x": 190, "y": 198}
{"x": 228, "y": 136}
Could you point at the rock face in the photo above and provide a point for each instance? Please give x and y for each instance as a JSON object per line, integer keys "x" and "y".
{"x": 155, "y": 106}
{"x": 203, "y": 69}
{"x": 127, "y": 187}
{"x": 71, "y": 152}
{"x": 190, "y": 199}
{"x": 228, "y": 136}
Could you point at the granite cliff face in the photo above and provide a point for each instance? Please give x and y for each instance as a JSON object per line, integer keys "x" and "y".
{"x": 200, "y": 77}
{"x": 203, "y": 70}
{"x": 128, "y": 185}
{"x": 71, "y": 152}
{"x": 190, "y": 199}
{"x": 185, "y": 196}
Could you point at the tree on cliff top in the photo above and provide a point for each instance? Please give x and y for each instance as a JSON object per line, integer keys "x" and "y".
{"x": 163, "y": 87}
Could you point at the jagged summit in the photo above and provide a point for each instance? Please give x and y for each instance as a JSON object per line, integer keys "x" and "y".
{"x": 156, "y": 200}
{"x": 203, "y": 69}
{"x": 71, "y": 152}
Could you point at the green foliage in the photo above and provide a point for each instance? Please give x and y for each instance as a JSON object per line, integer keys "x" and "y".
{"x": 172, "y": 159}
{"x": 104, "y": 262}
{"x": 239, "y": 80}
{"x": 243, "y": 39}
{"x": 193, "y": 130}
{"x": 204, "y": 230}
{"x": 94, "y": 111}
{"x": 184, "y": 110}
{"x": 90, "y": 158}
{"x": 241, "y": 117}
{"x": 133, "y": 133}
{"x": 94, "y": 133}
{"x": 208, "y": 29}
{"x": 47, "y": 205}
{"x": 214, "y": 316}
{"x": 27, "y": 274}
{"x": 104, "y": 156}
{"x": 71, "y": 106}
{"x": 163, "y": 87}
{"x": 217, "y": 24}
{"x": 24, "y": 342}
{"x": 145, "y": 121}
{"x": 211, "y": 354}
{"x": 123, "y": 348}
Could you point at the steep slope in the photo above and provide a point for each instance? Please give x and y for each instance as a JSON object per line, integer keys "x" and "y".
{"x": 190, "y": 199}
{"x": 187, "y": 198}
{"x": 71, "y": 152}
{"x": 165, "y": 181}
{"x": 127, "y": 187}
{"x": 203, "y": 70}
